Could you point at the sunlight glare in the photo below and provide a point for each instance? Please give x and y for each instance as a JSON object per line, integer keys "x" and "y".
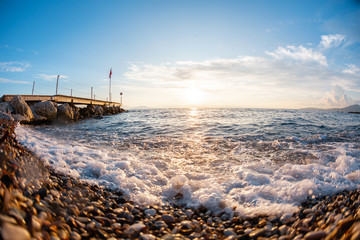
{"x": 194, "y": 95}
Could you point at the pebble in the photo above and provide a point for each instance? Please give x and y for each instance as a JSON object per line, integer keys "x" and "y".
{"x": 55, "y": 193}
{"x": 189, "y": 212}
{"x": 315, "y": 235}
{"x": 151, "y": 212}
{"x": 61, "y": 207}
{"x": 89, "y": 208}
{"x": 63, "y": 234}
{"x": 168, "y": 218}
{"x": 160, "y": 224}
{"x": 14, "y": 232}
{"x": 262, "y": 223}
{"x": 36, "y": 223}
{"x": 147, "y": 237}
{"x": 75, "y": 236}
{"x": 229, "y": 232}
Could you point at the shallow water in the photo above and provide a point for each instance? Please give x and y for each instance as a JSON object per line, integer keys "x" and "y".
{"x": 259, "y": 161}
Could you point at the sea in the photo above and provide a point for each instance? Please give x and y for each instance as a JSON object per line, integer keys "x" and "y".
{"x": 249, "y": 161}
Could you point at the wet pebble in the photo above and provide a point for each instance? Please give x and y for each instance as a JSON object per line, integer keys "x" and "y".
{"x": 150, "y": 212}
{"x": 13, "y": 232}
{"x": 168, "y": 218}
{"x": 315, "y": 235}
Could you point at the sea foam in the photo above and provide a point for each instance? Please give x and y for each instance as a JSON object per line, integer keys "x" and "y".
{"x": 251, "y": 176}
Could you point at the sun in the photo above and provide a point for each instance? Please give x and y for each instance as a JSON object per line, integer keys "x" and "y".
{"x": 194, "y": 96}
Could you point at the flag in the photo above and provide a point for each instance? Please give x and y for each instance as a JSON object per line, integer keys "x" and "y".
{"x": 110, "y": 73}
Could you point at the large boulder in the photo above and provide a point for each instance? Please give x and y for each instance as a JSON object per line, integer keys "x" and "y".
{"x": 91, "y": 109}
{"x": 65, "y": 113}
{"x": 37, "y": 118}
{"x": 5, "y": 107}
{"x": 21, "y": 118}
{"x": 6, "y": 116}
{"x": 84, "y": 113}
{"x": 98, "y": 110}
{"x": 76, "y": 111}
{"x": 46, "y": 109}
{"x": 19, "y": 106}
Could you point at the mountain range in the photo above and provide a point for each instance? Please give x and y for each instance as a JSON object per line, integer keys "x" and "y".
{"x": 350, "y": 109}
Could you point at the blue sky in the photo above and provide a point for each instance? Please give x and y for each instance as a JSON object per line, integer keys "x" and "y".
{"x": 282, "y": 54}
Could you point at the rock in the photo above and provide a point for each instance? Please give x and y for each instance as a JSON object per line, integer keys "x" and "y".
{"x": 19, "y": 106}
{"x": 147, "y": 237}
{"x": 229, "y": 232}
{"x": 43, "y": 192}
{"x": 135, "y": 228}
{"x": 262, "y": 223}
{"x": 98, "y": 110}
{"x": 173, "y": 237}
{"x": 13, "y": 232}
{"x": 37, "y": 118}
{"x": 20, "y": 118}
{"x": 189, "y": 213}
{"x": 6, "y": 116}
{"x": 257, "y": 233}
{"x": 46, "y": 109}
{"x": 35, "y": 222}
{"x": 76, "y": 111}
{"x": 89, "y": 208}
{"x": 160, "y": 224}
{"x": 150, "y": 212}
{"x": 91, "y": 109}
{"x": 168, "y": 218}
{"x": 55, "y": 193}
{"x": 186, "y": 224}
{"x": 91, "y": 225}
{"x": 5, "y": 108}
{"x": 84, "y": 113}
{"x": 287, "y": 218}
{"x": 341, "y": 228}
{"x": 315, "y": 235}
{"x": 63, "y": 234}
{"x": 65, "y": 113}
{"x": 83, "y": 219}
{"x": 75, "y": 236}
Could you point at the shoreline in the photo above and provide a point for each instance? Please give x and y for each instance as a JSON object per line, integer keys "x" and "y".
{"x": 39, "y": 203}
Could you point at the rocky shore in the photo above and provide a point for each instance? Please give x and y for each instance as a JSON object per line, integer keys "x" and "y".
{"x": 38, "y": 203}
{"x": 48, "y": 112}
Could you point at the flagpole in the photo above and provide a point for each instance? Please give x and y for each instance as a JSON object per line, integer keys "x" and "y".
{"x": 110, "y": 85}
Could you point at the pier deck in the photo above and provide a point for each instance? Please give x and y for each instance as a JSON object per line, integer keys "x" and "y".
{"x": 62, "y": 99}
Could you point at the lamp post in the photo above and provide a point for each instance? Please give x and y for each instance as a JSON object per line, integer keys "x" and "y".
{"x": 57, "y": 84}
{"x": 32, "y": 93}
{"x": 121, "y": 98}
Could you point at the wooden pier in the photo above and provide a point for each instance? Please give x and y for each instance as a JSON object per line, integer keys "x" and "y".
{"x": 61, "y": 99}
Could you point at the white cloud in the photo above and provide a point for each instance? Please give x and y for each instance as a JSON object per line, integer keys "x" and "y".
{"x": 13, "y": 66}
{"x": 352, "y": 69}
{"x": 299, "y": 53}
{"x": 5, "y": 80}
{"x": 287, "y": 75}
{"x": 331, "y": 40}
{"x": 337, "y": 97}
{"x": 48, "y": 77}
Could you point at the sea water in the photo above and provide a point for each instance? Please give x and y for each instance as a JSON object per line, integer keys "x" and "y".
{"x": 253, "y": 161}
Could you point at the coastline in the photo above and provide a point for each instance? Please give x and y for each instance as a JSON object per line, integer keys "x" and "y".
{"x": 39, "y": 203}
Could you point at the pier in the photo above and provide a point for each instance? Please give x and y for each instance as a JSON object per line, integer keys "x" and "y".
{"x": 61, "y": 99}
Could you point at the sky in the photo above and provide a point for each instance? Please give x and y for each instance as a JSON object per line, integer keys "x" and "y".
{"x": 184, "y": 53}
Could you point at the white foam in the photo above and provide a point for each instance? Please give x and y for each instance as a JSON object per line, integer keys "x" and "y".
{"x": 256, "y": 185}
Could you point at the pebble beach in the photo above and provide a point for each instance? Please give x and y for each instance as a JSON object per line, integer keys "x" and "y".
{"x": 38, "y": 203}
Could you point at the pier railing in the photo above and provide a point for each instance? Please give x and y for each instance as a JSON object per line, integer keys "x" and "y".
{"x": 62, "y": 99}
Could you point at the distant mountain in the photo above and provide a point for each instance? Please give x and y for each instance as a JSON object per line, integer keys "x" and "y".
{"x": 352, "y": 108}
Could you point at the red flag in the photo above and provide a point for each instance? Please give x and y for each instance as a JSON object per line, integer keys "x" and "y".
{"x": 110, "y": 73}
